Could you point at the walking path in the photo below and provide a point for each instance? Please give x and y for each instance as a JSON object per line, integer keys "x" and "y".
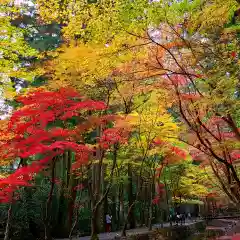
{"x": 230, "y": 227}
{"x": 112, "y": 235}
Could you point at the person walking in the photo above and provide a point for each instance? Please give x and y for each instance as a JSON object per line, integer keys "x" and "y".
{"x": 108, "y": 223}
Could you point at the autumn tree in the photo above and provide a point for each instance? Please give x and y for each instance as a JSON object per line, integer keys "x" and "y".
{"x": 149, "y": 59}
{"x": 16, "y": 53}
{"x": 209, "y": 111}
{"x": 184, "y": 54}
{"x": 36, "y": 136}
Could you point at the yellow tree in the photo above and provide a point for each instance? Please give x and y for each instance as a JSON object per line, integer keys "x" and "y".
{"x": 151, "y": 122}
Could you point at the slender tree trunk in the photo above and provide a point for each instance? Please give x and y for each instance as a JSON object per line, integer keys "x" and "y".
{"x": 131, "y": 199}
{"x": 167, "y": 200}
{"x": 94, "y": 230}
{"x": 150, "y": 212}
{"x": 114, "y": 211}
{"x": 142, "y": 203}
{"x": 123, "y": 234}
{"x": 47, "y": 227}
{"x": 68, "y": 165}
{"x": 97, "y": 183}
{"x": 131, "y": 207}
{"x": 71, "y": 204}
{"x": 8, "y": 226}
{"x": 9, "y": 216}
{"x": 96, "y": 205}
{"x": 152, "y": 191}
{"x": 122, "y": 208}
{"x": 64, "y": 177}
{"x": 142, "y": 220}
{"x": 126, "y": 222}
{"x": 73, "y": 227}
{"x": 161, "y": 216}
{"x": 103, "y": 208}
{"x": 119, "y": 207}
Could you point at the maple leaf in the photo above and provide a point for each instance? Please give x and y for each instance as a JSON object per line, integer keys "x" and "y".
{"x": 233, "y": 54}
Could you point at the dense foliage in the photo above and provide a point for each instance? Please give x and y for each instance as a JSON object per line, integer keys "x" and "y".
{"x": 123, "y": 107}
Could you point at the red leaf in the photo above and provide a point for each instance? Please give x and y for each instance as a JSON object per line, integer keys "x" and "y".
{"x": 234, "y": 54}
{"x": 34, "y": 135}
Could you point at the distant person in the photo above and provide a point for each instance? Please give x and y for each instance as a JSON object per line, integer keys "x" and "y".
{"x": 178, "y": 218}
{"x": 108, "y": 223}
{"x": 189, "y": 216}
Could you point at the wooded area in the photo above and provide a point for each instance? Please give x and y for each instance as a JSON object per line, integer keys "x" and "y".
{"x": 123, "y": 107}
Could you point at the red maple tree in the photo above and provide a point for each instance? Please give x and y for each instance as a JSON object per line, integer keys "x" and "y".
{"x": 36, "y": 134}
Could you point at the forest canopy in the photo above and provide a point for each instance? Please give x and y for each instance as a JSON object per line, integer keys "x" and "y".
{"x": 128, "y": 108}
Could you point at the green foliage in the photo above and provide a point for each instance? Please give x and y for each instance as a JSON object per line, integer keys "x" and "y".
{"x": 16, "y": 53}
{"x": 107, "y": 54}
{"x": 186, "y": 181}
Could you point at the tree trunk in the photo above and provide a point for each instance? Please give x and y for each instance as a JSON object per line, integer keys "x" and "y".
{"x": 130, "y": 209}
{"x": 71, "y": 204}
{"x": 114, "y": 210}
{"x": 94, "y": 230}
{"x": 8, "y": 226}
{"x": 122, "y": 207}
{"x": 167, "y": 200}
{"x": 47, "y": 227}
{"x": 119, "y": 210}
{"x": 152, "y": 192}
{"x": 131, "y": 199}
{"x": 96, "y": 204}
{"x": 9, "y": 216}
{"x": 73, "y": 226}
{"x": 103, "y": 208}
{"x": 150, "y": 212}
{"x": 142, "y": 218}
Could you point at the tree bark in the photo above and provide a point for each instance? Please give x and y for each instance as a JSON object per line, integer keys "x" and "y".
{"x": 8, "y": 226}
{"x": 71, "y": 204}
{"x": 9, "y": 216}
{"x": 167, "y": 200}
{"x": 131, "y": 199}
{"x": 47, "y": 227}
{"x": 94, "y": 230}
{"x": 96, "y": 205}
{"x": 152, "y": 191}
